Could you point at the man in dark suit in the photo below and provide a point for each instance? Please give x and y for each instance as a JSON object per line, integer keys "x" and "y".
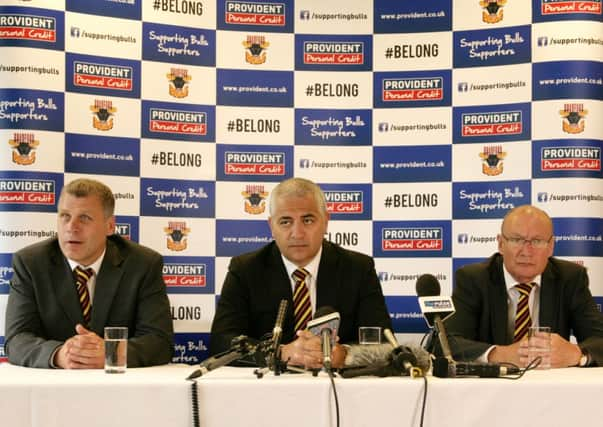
{"x": 486, "y": 299}
{"x": 256, "y": 282}
{"x": 47, "y": 326}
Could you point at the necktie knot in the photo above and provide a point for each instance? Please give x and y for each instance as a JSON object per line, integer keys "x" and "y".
{"x": 83, "y": 273}
{"x": 524, "y": 288}
{"x": 300, "y": 275}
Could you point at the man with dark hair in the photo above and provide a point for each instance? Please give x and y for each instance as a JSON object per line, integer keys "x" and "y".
{"x": 303, "y": 268}
{"x": 54, "y": 319}
{"x": 487, "y": 296}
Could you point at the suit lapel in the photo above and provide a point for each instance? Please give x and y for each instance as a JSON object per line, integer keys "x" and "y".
{"x": 327, "y": 281}
{"x": 498, "y": 302}
{"x": 64, "y": 287}
{"x": 107, "y": 282}
{"x": 548, "y": 296}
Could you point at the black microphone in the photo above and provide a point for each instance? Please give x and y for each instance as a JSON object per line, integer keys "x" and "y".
{"x": 403, "y": 356}
{"x": 435, "y": 309}
{"x": 384, "y": 360}
{"x": 443, "y": 368}
{"x": 240, "y": 347}
{"x": 325, "y": 324}
{"x": 277, "y": 332}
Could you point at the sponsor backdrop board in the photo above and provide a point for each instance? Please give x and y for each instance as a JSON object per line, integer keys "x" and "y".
{"x": 424, "y": 122}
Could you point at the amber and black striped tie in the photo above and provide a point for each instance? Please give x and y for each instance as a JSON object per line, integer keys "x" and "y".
{"x": 302, "y": 309}
{"x": 81, "y": 279}
{"x": 523, "y": 321}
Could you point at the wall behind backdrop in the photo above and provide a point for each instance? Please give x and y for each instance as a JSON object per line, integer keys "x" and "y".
{"x": 423, "y": 122}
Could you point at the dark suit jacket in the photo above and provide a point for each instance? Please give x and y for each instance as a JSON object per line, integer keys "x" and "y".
{"x": 43, "y": 307}
{"x": 257, "y": 281}
{"x": 480, "y": 300}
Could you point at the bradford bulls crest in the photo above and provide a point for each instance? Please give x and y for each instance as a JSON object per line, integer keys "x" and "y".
{"x": 103, "y": 110}
{"x": 176, "y": 235}
{"x": 255, "y": 199}
{"x": 573, "y": 118}
{"x": 179, "y": 79}
{"x": 24, "y": 145}
{"x": 254, "y": 46}
{"x": 493, "y": 12}
{"x": 492, "y": 160}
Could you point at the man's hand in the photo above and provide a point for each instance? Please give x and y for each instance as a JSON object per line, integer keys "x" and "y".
{"x": 86, "y": 350}
{"x": 304, "y": 351}
{"x": 563, "y": 352}
{"x": 509, "y": 353}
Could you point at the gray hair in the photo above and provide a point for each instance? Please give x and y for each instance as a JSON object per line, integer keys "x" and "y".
{"x": 298, "y": 187}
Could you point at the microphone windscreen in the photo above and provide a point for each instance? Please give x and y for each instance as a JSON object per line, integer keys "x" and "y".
{"x": 367, "y": 355}
{"x": 427, "y": 286}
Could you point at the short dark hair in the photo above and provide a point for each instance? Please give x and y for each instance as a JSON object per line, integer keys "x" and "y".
{"x": 84, "y": 187}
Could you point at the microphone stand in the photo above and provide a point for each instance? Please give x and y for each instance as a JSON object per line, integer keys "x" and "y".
{"x": 240, "y": 347}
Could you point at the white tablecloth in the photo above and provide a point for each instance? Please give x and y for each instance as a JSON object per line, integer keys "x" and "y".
{"x": 161, "y": 396}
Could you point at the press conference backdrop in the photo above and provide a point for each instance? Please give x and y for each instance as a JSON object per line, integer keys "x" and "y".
{"x": 422, "y": 121}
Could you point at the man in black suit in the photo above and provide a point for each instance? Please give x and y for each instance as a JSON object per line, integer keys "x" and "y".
{"x": 486, "y": 299}
{"x": 256, "y": 282}
{"x": 47, "y": 326}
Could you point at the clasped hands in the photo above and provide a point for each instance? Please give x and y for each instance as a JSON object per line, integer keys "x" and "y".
{"x": 563, "y": 353}
{"x": 306, "y": 351}
{"x": 85, "y": 350}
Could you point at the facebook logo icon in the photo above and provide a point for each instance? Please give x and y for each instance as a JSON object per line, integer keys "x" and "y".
{"x": 543, "y": 197}
{"x": 543, "y": 41}
{"x": 383, "y": 127}
{"x": 75, "y": 32}
{"x": 304, "y": 163}
{"x": 463, "y": 238}
{"x": 463, "y": 87}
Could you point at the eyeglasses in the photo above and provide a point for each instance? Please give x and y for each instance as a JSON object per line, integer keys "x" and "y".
{"x": 520, "y": 242}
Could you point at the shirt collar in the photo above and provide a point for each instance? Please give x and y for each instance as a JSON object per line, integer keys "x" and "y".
{"x": 510, "y": 281}
{"x": 311, "y": 267}
{"x": 94, "y": 266}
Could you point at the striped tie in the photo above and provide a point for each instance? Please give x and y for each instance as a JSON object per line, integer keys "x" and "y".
{"x": 302, "y": 308}
{"x": 81, "y": 279}
{"x": 522, "y": 315}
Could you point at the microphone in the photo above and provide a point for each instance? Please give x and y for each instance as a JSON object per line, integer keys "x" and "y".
{"x": 435, "y": 309}
{"x": 277, "y": 333}
{"x": 240, "y": 347}
{"x": 325, "y": 324}
{"x": 403, "y": 355}
{"x": 444, "y": 369}
{"x": 385, "y": 360}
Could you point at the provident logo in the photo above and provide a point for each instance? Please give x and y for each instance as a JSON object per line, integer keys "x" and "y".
{"x": 185, "y": 275}
{"x": 555, "y": 7}
{"x": 28, "y": 27}
{"x": 489, "y": 124}
{"x": 251, "y": 13}
{"x": 27, "y": 191}
{"x": 344, "y": 202}
{"x": 177, "y": 121}
{"x": 412, "y": 89}
{"x": 124, "y": 230}
{"x": 105, "y": 76}
{"x": 570, "y": 159}
{"x": 252, "y": 163}
{"x": 338, "y": 53}
{"x": 412, "y": 239}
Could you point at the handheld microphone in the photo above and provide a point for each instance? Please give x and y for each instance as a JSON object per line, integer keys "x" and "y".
{"x": 435, "y": 309}
{"x": 240, "y": 347}
{"x": 444, "y": 369}
{"x": 277, "y": 332}
{"x": 325, "y": 324}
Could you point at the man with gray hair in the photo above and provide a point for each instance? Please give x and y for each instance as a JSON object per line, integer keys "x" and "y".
{"x": 54, "y": 319}
{"x": 303, "y": 268}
